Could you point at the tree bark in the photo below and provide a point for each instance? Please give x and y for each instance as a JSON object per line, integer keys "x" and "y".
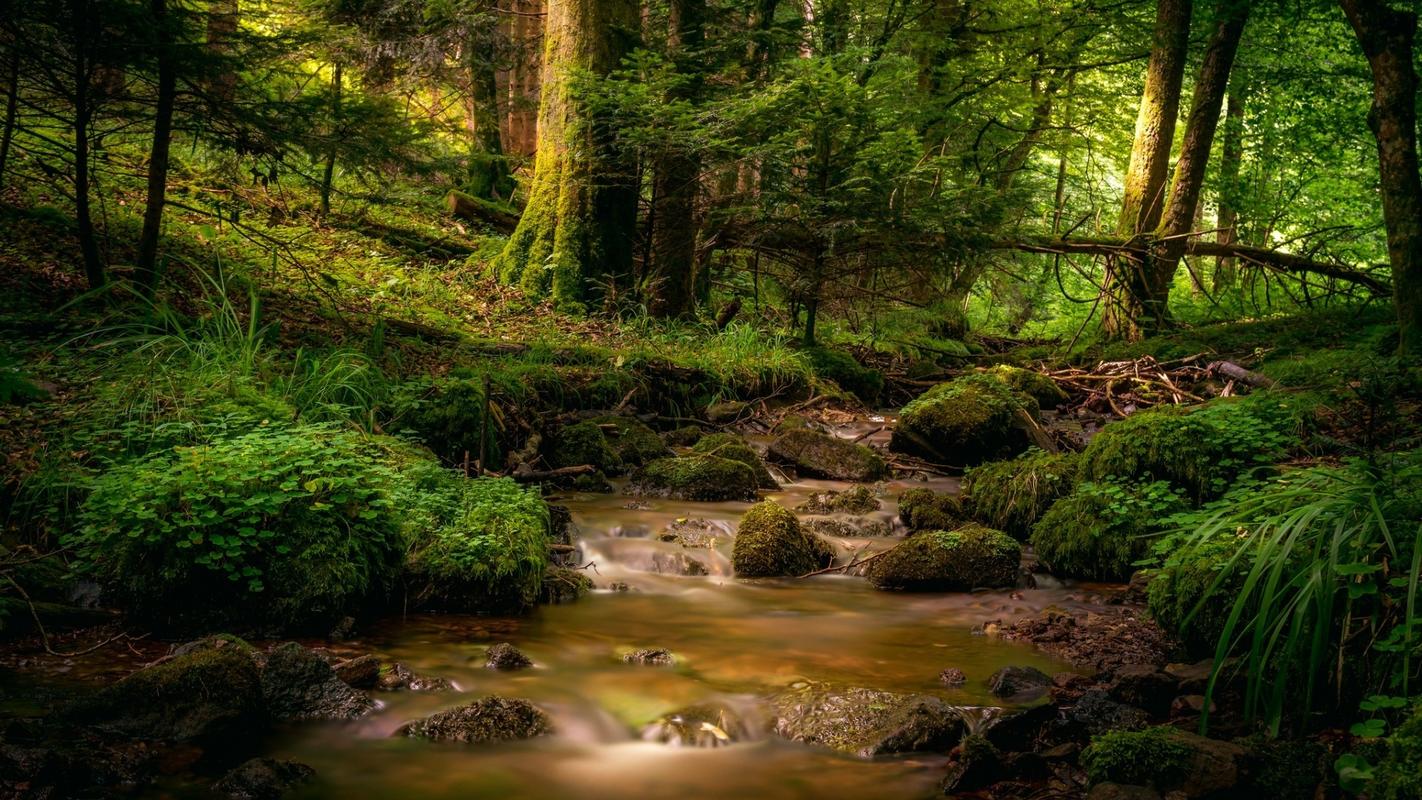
{"x": 12, "y": 104}
{"x": 85, "y": 28}
{"x": 1231, "y": 162}
{"x": 146, "y": 263}
{"x": 676, "y": 179}
{"x": 1386, "y": 36}
{"x": 489, "y": 169}
{"x": 222, "y": 16}
{"x": 574, "y": 239}
{"x": 1128, "y": 287}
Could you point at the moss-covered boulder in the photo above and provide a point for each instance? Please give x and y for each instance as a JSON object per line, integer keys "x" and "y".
{"x": 211, "y": 694}
{"x": 635, "y": 443}
{"x": 961, "y": 560}
{"x": 819, "y": 455}
{"x": 695, "y": 477}
{"x": 1169, "y": 760}
{"x": 583, "y": 443}
{"x": 926, "y": 510}
{"x": 483, "y": 546}
{"x": 1201, "y": 450}
{"x": 966, "y": 421}
{"x": 1399, "y": 774}
{"x": 842, "y": 368}
{"x": 285, "y": 527}
{"x": 1012, "y": 495}
{"x": 1041, "y": 388}
{"x": 685, "y": 436}
{"x": 733, "y": 447}
{"x": 1100, "y": 530}
{"x": 489, "y": 719}
{"x": 1193, "y": 594}
{"x": 854, "y": 500}
{"x": 866, "y": 722}
{"x": 771, "y": 543}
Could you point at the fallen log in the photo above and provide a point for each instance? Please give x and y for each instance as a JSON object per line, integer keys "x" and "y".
{"x": 549, "y": 474}
{"x": 474, "y": 209}
{"x": 1231, "y": 370}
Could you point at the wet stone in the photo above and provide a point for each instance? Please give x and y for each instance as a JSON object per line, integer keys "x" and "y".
{"x": 263, "y": 779}
{"x": 650, "y": 656}
{"x": 952, "y": 677}
{"x": 298, "y": 685}
{"x": 489, "y": 719}
{"x": 1019, "y": 683}
{"x": 504, "y": 656}
{"x": 399, "y": 676}
{"x": 866, "y": 722}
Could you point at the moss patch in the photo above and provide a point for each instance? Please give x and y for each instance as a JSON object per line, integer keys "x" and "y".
{"x": 1399, "y": 773}
{"x": 1031, "y": 383}
{"x": 583, "y": 443}
{"x": 925, "y": 510}
{"x": 966, "y": 421}
{"x": 634, "y": 443}
{"x": 838, "y": 366}
{"x": 771, "y": 543}
{"x": 1098, "y": 531}
{"x": 733, "y": 447}
{"x": 968, "y": 558}
{"x": 1150, "y": 757}
{"x": 695, "y": 477}
{"x": 1012, "y": 495}
{"x": 819, "y": 455}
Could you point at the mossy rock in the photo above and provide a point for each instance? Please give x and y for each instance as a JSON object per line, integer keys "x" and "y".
{"x": 685, "y": 436}
{"x": 1098, "y": 532}
{"x": 819, "y": 455}
{"x": 961, "y": 560}
{"x": 483, "y": 546}
{"x": 1398, "y": 776}
{"x": 212, "y": 694}
{"x": 1150, "y": 757}
{"x": 635, "y": 443}
{"x": 1185, "y": 598}
{"x": 854, "y": 500}
{"x": 966, "y": 421}
{"x": 770, "y": 543}
{"x": 1031, "y": 383}
{"x": 926, "y": 510}
{"x": 565, "y": 585}
{"x": 726, "y": 411}
{"x": 489, "y": 719}
{"x": 1201, "y": 450}
{"x": 866, "y": 722}
{"x": 695, "y": 477}
{"x": 1012, "y": 495}
{"x": 583, "y": 443}
{"x": 842, "y": 368}
{"x": 733, "y": 447}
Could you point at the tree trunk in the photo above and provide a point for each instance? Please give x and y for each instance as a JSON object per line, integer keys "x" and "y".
{"x": 84, "y": 30}
{"x": 222, "y": 18}
{"x": 576, "y": 230}
{"x": 489, "y": 170}
{"x": 328, "y": 174}
{"x": 12, "y": 104}
{"x": 1386, "y": 36}
{"x": 1231, "y": 160}
{"x": 676, "y": 178}
{"x": 147, "y": 261}
{"x": 1182, "y": 211}
{"x": 1130, "y": 291}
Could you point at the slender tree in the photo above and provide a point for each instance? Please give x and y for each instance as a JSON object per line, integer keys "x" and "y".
{"x": 147, "y": 259}
{"x": 1231, "y": 161}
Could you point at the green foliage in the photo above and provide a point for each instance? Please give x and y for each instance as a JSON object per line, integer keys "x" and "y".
{"x": 836, "y": 365}
{"x": 925, "y": 510}
{"x": 14, "y": 386}
{"x": 1150, "y": 757}
{"x": 1201, "y": 450}
{"x": 1297, "y": 559}
{"x": 1099, "y": 530}
{"x": 967, "y": 558}
{"x": 480, "y": 545}
{"x": 770, "y": 543}
{"x": 287, "y": 527}
{"x": 1012, "y": 495}
{"x": 966, "y": 421}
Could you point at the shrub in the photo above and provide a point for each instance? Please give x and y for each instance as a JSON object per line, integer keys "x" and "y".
{"x": 966, "y": 421}
{"x": 484, "y": 546}
{"x": 924, "y": 510}
{"x": 968, "y": 558}
{"x": 1150, "y": 757}
{"x": 1098, "y": 531}
{"x": 1012, "y": 495}
{"x": 1201, "y": 450}
{"x": 770, "y": 543}
{"x": 285, "y": 527}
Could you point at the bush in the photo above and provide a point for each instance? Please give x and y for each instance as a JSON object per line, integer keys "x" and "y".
{"x": 1201, "y": 450}
{"x": 1098, "y": 531}
{"x": 485, "y": 546}
{"x": 287, "y": 527}
{"x": 836, "y": 365}
{"x": 1012, "y": 495}
{"x": 733, "y": 447}
{"x": 923, "y": 510}
{"x": 770, "y": 543}
{"x": 970, "y": 557}
{"x": 1150, "y": 757}
{"x": 966, "y": 421}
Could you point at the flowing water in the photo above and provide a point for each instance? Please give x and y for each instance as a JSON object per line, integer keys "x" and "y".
{"x": 735, "y": 642}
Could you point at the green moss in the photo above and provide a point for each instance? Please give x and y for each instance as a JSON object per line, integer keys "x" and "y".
{"x": 1184, "y": 598}
{"x": 634, "y": 443}
{"x": 484, "y": 545}
{"x": 1012, "y": 495}
{"x": 770, "y": 543}
{"x": 583, "y": 443}
{"x": 925, "y": 510}
{"x": 966, "y": 421}
{"x": 1098, "y": 531}
{"x": 1201, "y": 450}
{"x": 695, "y": 477}
{"x": 1399, "y": 773}
{"x": 733, "y": 447}
{"x": 685, "y": 436}
{"x": 1031, "y": 383}
{"x": 838, "y": 366}
{"x": 854, "y": 500}
{"x": 949, "y": 561}
{"x": 286, "y": 527}
{"x": 1150, "y": 757}
{"x": 818, "y": 455}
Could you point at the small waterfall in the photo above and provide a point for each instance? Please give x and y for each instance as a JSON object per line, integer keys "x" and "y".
{"x": 977, "y": 719}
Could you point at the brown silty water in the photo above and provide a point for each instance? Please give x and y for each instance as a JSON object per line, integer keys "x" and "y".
{"x": 735, "y": 643}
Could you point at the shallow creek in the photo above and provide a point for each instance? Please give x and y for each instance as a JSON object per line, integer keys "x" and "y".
{"x": 734, "y": 641}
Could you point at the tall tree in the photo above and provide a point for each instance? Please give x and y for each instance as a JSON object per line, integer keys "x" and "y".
{"x": 146, "y": 263}
{"x": 1128, "y": 287}
{"x": 85, "y": 31}
{"x": 1231, "y": 161}
{"x": 1386, "y": 35}
{"x": 576, "y": 230}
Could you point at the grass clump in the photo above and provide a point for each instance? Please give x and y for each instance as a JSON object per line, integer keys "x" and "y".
{"x": 1012, "y": 495}
{"x": 733, "y": 447}
{"x": 1099, "y": 531}
{"x": 961, "y": 560}
{"x": 770, "y": 543}
{"x": 1150, "y": 757}
{"x": 283, "y": 527}
{"x": 966, "y": 421}
{"x": 925, "y": 510}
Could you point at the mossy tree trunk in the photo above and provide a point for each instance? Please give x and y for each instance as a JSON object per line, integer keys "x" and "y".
{"x": 1132, "y": 302}
{"x": 574, "y": 239}
{"x": 1386, "y": 35}
{"x": 489, "y": 170}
